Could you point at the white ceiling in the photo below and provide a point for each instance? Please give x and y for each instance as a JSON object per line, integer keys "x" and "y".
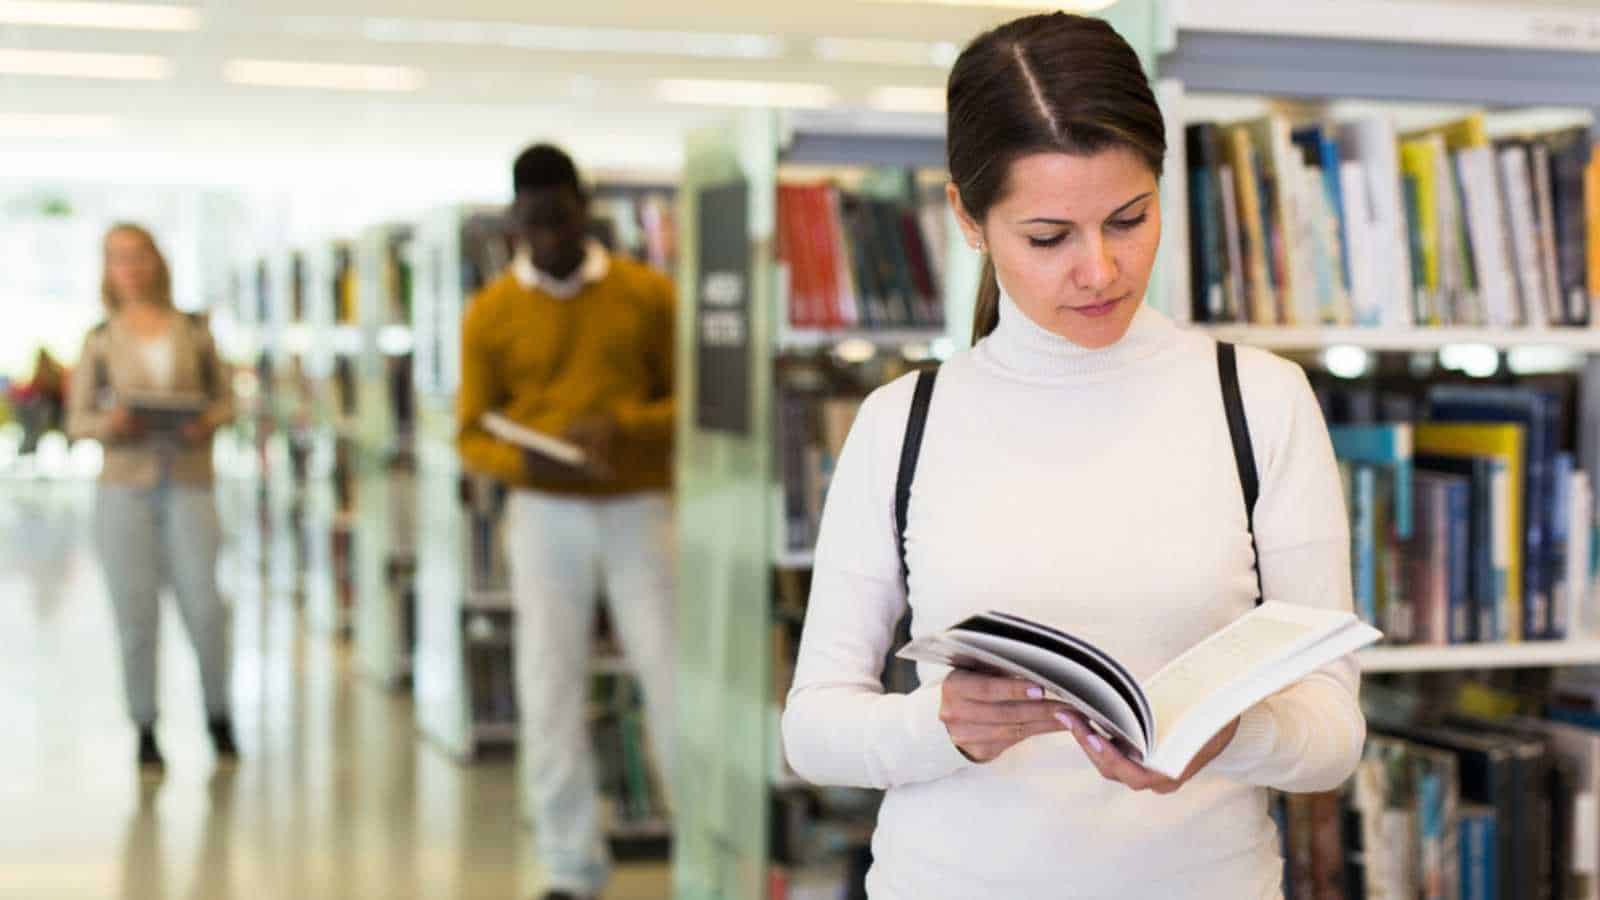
{"x": 494, "y": 74}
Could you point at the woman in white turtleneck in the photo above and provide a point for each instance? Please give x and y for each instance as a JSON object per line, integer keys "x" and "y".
{"x": 1076, "y": 469}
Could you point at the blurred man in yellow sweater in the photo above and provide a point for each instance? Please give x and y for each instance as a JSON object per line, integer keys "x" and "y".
{"x": 576, "y": 343}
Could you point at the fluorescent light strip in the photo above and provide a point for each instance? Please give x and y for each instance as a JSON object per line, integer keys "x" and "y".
{"x": 52, "y": 125}
{"x": 63, "y": 64}
{"x": 908, "y": 99}
{"x": 322, "y": 76}
{"x": 562, "y": 39}
{"x": 117, "y": 16}
{"x": 871, "y": 51}
{"x": 778, "y": 94}
{"x": 1081, "y": 6}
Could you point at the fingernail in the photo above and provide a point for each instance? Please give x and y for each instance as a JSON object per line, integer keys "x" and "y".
{"x": 1096, "y": 744}
{"x": 1036, "y": 693}
{"x": 1065, "y": 720}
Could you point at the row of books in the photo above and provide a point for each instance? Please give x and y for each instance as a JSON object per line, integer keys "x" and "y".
{"x": 859, "y": 262}
{"x": 484, "y": 502}
{"x": 1464, "y": 790}
{"x": 644, "y": 228}
{"x": 812, "y": 427}
{"x": 1471, "y": 524}
{"x": 491, "y": 683}
{"x": 630, "y": 783}
{"x": 1355, "y": 224}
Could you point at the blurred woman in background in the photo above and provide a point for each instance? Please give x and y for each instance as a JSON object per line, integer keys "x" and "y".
{"x": 150, "y": 387}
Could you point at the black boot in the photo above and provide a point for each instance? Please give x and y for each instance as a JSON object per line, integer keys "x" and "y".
{"x": 561, "y": 895}
{"x": 222, "y": 738}
{"x": 150, "y": 759}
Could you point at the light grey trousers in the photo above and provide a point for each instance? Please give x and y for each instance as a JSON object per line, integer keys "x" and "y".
{"x": 167, "y": 534}
{"x": 562, "y": 551}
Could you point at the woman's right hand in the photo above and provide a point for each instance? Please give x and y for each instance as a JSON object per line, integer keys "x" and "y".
{"x": 123, "y": 424}
{"x": 986, "y": 715}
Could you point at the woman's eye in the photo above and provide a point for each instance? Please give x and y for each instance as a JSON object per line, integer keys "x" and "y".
{"x": 1047, "y": 242}
{"x": 1129, "y": 224}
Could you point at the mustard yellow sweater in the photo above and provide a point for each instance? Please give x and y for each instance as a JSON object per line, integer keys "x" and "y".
{"x": 545, "y": 362}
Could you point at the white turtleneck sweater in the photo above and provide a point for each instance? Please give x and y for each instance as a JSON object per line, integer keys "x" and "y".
{"x": 1094, "y": 490}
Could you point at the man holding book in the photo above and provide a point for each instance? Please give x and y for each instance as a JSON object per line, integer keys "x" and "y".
{"x": 566, "y": 397}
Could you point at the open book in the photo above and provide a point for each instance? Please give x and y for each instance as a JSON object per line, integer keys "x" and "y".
{"x": 528, "y": 439}
{"x": 165, "y": 413}
{"x": 1165, "y": 721}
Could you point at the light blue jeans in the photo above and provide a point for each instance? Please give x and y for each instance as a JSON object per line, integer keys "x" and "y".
{"x": 167, "y": 534}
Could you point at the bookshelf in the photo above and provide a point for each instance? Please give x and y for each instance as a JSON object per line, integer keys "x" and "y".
{"x": 736, "y": 797}
{"x": 383, "y": 548}
{"x": 312, "y": 350}
{"x": 276, "y": 420}
{"x": 1418, "y": 66}
{"x": 1286, "y": 338}
{"x": 1532, "y": 654}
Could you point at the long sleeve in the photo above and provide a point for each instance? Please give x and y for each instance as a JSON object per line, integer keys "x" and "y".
{"x": 652, "y": 420}
{"x": 840, "y": 728}
{"x": 218, "y": 380}
{"x": 1309, "y": 736}
{"x": 85, "y": 419}
{"x": 481, "y": 390}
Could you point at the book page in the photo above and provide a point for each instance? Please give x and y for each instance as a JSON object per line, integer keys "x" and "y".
{"x": 1080, "y": 689}
{"x": 1257, "y": 639}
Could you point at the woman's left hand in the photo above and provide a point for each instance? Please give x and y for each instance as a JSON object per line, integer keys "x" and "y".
{"x": 1114, "y": 766}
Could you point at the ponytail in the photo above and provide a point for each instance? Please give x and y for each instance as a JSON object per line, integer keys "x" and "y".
{"x": 986, "y": 314}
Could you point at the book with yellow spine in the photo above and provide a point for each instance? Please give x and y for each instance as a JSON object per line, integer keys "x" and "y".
{"x": 1506, "y": 445}
{"x": 1418, "y": 161}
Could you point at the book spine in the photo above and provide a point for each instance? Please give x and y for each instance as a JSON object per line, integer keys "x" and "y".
{"x": 1460, "y": 562}
{"x": 1327, "y": 847}
{"x": 1484, "y": 584}
{"x": 1544, "y": 211}
{"x": 1568, "y": 160}
{"x": 1560, "y": 546}
{"x": 1365, "y": 539}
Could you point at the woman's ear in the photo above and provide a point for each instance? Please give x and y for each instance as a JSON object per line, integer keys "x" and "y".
{"x": 970, "y": 229}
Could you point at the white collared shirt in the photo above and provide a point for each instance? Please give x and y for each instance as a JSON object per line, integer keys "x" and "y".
{"x": 596, "y": 264}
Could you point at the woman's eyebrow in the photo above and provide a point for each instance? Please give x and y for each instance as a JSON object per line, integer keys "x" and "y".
{"x": 1114, "y": 213}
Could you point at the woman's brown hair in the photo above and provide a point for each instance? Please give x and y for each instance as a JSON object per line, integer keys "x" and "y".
{"x": 162, "y": 293}
{"x": 1046, "y": 83}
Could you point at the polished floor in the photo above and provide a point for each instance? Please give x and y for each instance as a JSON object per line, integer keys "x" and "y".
{"x": 336, "y": 796}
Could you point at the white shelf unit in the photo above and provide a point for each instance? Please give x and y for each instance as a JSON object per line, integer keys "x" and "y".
{"x": 1456, "y": 657}
{"x": 801, "y": 340}
{"x": 1285, "y": 338}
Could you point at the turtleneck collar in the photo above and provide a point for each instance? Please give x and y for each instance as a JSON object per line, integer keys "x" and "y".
{"x": 1021, "y": 347}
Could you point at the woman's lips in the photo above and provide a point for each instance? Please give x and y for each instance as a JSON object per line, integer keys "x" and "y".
{"x": 1097, "y": 310}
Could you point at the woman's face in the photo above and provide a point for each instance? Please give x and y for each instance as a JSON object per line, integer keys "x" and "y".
{"x": 1073, "y": 241}
{"x": 131, "y": 265}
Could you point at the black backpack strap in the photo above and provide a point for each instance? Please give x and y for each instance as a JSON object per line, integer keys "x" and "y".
{"x": 909, "y": 451}
{"x": 1244, "y": 455}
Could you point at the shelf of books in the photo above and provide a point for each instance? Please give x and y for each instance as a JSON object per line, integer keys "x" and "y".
{"x": 310, "y": 356}
{"x": 463, "y": 671}
{"x": 383, "y": 546}
{"x": 839, "y": 239}
{"x": 277, "y": 416}
{"x": 1427, "y": 242}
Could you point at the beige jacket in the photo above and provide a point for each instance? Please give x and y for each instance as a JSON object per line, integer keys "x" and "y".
{"x": 110, "y": 364}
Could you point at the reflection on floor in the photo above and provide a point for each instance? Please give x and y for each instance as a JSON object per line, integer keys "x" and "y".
{"x": 336, "y": 797}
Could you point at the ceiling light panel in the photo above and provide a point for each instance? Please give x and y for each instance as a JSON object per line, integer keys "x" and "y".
{"x": 116, "y": 16}
{"x": 556, "y": 38}
{"x": 775, "y": 94}
{"x": 322, "y": 76}
{"x": 66, "y": 64}
{"x": 873, "y": 51}
{"x": 53, "y": 125}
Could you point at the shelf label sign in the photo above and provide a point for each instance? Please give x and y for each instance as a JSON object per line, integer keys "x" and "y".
{"x": 722, "y": 310}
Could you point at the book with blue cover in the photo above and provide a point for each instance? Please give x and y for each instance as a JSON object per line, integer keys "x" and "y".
{"x": 1390, "y": 446}
{"x": 1484, "y": 580}
{"x": 1539, "y": 416}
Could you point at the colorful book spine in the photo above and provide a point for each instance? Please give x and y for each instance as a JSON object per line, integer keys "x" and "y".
{"x": 1479, "y": 870}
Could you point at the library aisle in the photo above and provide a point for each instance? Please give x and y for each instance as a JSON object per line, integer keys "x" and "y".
{"x": 336, "y": 797}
